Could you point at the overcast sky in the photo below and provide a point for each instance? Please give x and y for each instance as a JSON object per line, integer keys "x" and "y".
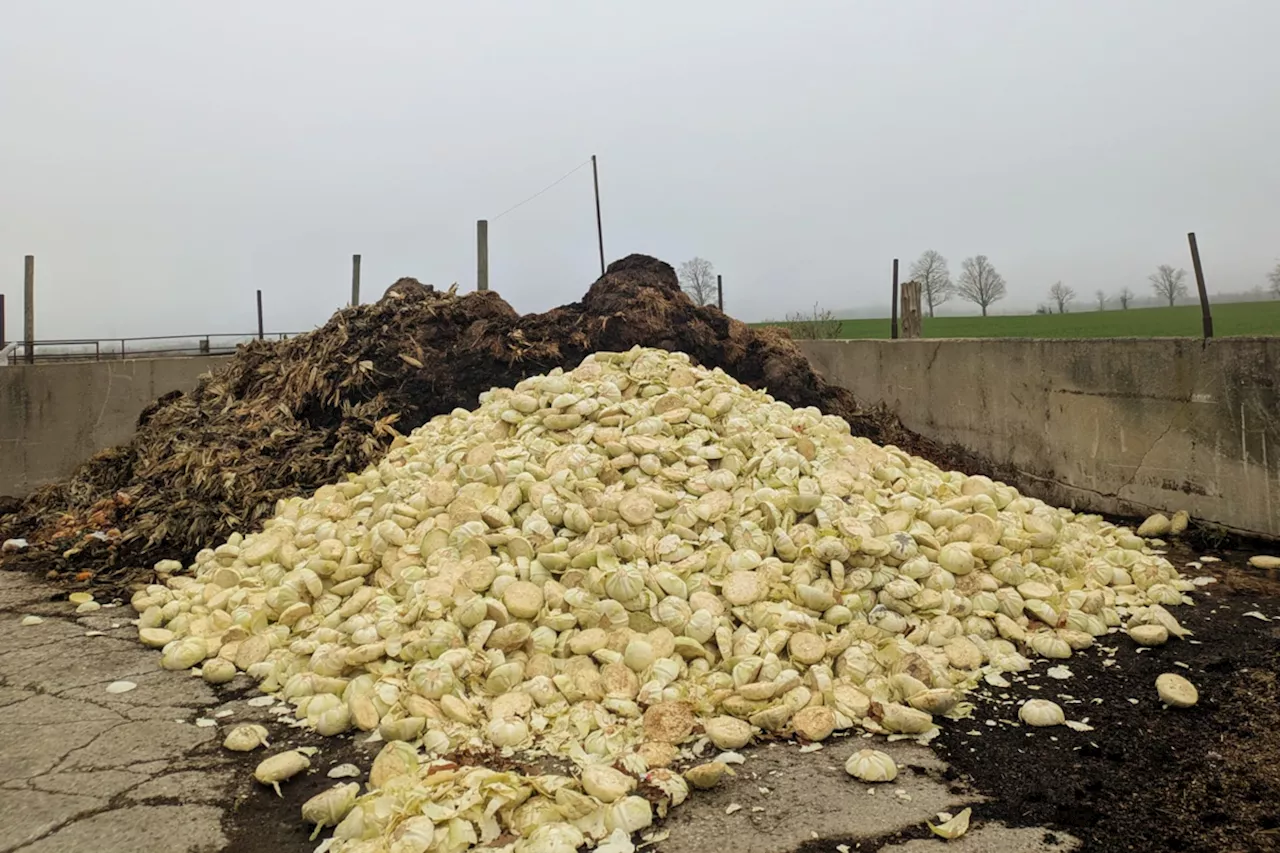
{"x": 165, "y": 159}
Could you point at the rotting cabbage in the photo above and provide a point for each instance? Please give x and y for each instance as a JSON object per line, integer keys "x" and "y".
{"x": 598, "y": 562}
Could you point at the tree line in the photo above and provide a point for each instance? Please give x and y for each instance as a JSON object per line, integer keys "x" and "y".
{"x": 978, "y": 282}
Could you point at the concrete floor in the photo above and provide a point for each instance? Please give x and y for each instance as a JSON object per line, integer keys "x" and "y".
{"x": 82, "y": 769}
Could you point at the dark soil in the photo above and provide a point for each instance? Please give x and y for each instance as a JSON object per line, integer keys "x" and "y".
{"x": 285, "y": 417}
{"x": 261, "y": 822}
{"x": 1200, "y": 780}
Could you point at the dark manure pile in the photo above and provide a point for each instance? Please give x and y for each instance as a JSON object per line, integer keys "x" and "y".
{"x": 285, "y": 417}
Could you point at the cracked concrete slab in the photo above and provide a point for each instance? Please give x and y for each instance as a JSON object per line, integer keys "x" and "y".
{"x": 32, "y": 750}
{"x": 89, "y": 664}
{"x": 100, "y": 783}
{"x": 190, "y": 786}
{"x": 42, "y": 709}
{"x": 137, "y": 740}
{"x": 21, "y": 593}
{"x": 155, "y": 689}
{"x": 173, "y": 829}
{"x": 28, "y": 815}
{"x": 24, "y": 637}
{"x": 82, "y": 769}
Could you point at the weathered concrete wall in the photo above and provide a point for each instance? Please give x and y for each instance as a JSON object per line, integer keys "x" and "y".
{"x": 1121, "y": 426}
{"x": 55, "y": 416}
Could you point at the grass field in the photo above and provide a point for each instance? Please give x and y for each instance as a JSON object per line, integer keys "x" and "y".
{"x": 1232, "y": 318}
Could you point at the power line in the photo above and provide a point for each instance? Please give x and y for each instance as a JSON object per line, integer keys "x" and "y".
{"x": 541, "y": 191}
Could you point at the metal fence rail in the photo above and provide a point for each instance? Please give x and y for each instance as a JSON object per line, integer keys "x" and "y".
{"x": 116, "y": 349}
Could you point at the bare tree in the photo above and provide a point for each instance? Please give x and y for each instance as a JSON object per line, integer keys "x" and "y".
{"x": 698, "y": 279}
{"x": 1274, "y": 278}
{"x": 1062, "y": 295}
{"x": 930, "y": 269}
{"x": 818, "y": 325}
{"x": 1102, "y": 300}
{"x": 980, "y": 283}
{"x": 1125, "y": 296}
{"x": 1169, "y": 283}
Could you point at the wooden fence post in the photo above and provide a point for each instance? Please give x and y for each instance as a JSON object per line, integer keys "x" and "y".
{"x": 482, "y": 254}
{"x": 355, "y": 280}
{"x": 1204, "y": 294}
{"x": 29, "y": 308}
{"x": 893, "y": 304}
{"x": 595, "y": 179}
{"x": 911, "y": 309}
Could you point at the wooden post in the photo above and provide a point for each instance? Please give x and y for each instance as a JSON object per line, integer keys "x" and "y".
{"x": 911, "y": 309}
{"x": 259, "y": 315}
{"x": 482, "y": 254}
{"x": 29, "y": 308}
{"x": 3, "y": 341}
{"x": 1204, "y": 294}
{"x": 595, "y": 177}
{"x": 893, "y": 303}
{"x": 720, "y": 292}
{"x": 355, "y": 280}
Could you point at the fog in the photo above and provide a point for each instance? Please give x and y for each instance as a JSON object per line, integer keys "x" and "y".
{"x": 165, "y": 160}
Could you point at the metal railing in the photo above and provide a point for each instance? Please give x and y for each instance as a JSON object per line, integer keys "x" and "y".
{"x": 117, "y": 349}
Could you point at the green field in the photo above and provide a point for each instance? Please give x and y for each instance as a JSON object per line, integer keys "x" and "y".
{"x": 1232, "y": 318}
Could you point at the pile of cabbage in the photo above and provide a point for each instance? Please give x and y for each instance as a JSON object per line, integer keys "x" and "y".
{"x": 611, "y": 565}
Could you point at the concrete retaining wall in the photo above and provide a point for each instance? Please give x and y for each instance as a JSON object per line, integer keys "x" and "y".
{"x": 1118, "y": 426}
{"x": 1121, "y": 426}
{"x": 55, "y": 416}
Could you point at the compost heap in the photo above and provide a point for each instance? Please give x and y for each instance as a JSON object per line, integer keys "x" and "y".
{"x": 607, "y": 566}
{"x": 282, "y": 418}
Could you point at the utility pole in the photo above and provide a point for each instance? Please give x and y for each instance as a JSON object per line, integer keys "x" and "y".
{"x": 259, "y": 315}
{"x": 893, "y": 327}
{"x": 482, "y": 254}
{"x": 355, "y": 280}
{"x": 595, "y": 177}
{"x": 3, "y": 341}
{"x": 1206, "y": 317}
{"x": 29, "y": 308}
{"x": 720, "y": 292}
